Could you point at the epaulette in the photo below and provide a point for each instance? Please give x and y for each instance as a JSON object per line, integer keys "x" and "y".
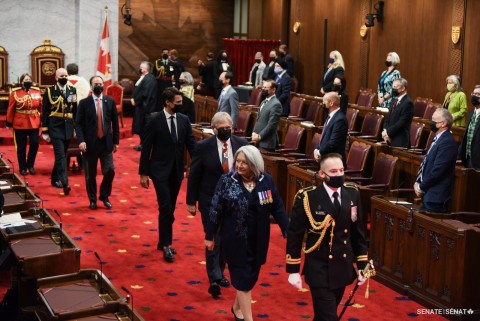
{"x": 350, "y": 185}
{"x": 17, "y": 88}
{"x": 303, "y": 190}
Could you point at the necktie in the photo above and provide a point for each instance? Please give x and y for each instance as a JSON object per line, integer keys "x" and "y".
{"x": 336, "y": 203}
{"x": 262, "y": 104}
{"x": 277, "y": 79}
{"x": 225, "y": 158}
{"x": 471, "y": 129}
{"x": 395, "y": 101}
{"x": 173, "y": 130}
{"x": 100, "y": 132}
{"x": 324, "y": 127}
{"x": 424, "y": 161}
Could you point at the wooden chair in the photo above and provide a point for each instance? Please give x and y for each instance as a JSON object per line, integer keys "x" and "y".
{"x": 372, "y": 124}
{"x": 416, "y": 130}
{"x": 292, "y": 143}
{"x": 351, "y": 118}
{"x": 116, "y": 92}
{"x": 357, "y": 158}
{"x": 127, "y": 85}
{"x": 308, "y": 157}
{"x": 365, "y": 98}
{"x": 243, "y": 123}
{"x": 419, "y": 106}
{"x": 199, "y": 105}
{"x": 296, "y": 107}
{"x": 431, "y": 107}
{"x": 255, "y": 98}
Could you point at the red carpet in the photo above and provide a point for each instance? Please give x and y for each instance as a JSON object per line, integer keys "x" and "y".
{"x": 126, "y": 237}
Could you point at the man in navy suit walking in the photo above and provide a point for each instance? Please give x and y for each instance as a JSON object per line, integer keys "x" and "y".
{"x": 98, "y": 136}
{"x": 213, "y": 157}
{"x": 435, "y": 178}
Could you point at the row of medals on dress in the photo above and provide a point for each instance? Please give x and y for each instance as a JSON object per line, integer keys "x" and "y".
{"x": 265, "y": 197}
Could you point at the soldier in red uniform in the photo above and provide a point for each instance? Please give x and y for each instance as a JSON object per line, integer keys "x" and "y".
{"x": 23, "y": 115}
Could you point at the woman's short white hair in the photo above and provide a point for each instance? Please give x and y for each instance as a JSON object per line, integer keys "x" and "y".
{"x": 188, "y": 77}
{"x": 456, "y": 80}
{"x": 253, "y": 157}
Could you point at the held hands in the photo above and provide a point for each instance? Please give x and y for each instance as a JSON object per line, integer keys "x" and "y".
{"x": 83, "y": 147}
{"x": 316, "y": 154}
{"x": 46, "y": 137}
{"x": 380, "y": 100}
{"x": 144, "y": 181}
{"x": 132, "y": 101}
{"x": 418, "y": 191}
{"x": 296, "y": 280}
{"x": 115, "y": 148}
{"x": 209, "y": 244}
{"x": 255, "y": 137}
{"x": 192, "y": 209}
{"x": 361, "y": 278}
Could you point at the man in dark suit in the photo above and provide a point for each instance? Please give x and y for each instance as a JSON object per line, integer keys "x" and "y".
{"x": 284, "y": 55}
{"x": 162, "y": 159}
{"x": 335, "y": 129}
{"x": 437, "y": 171}
{"x": 144, "y": 100}
{"x": 332, "y": 207}
{"x": 207, "y": 72}
{"x": 265, "y": 129}
{"x": 58, "y": 114}
{"x": 269, "y": 71}
{"x": 98, "y": 136}
{"x": 213, "y": 157}
{"x": 470, "y": 149}
{"x": 284, "y": 85}
{"x": 396, "y": 129}
{"x": 228, "y": 99}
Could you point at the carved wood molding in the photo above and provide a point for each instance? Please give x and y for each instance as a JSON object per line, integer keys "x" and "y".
{"x": 364, "y": 47}
{"x": 456, "y": 50}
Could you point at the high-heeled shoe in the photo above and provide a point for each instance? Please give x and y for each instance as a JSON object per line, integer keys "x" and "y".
{"x": 236, "y": 318}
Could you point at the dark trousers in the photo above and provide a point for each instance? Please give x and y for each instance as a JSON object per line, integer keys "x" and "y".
{"x": 21, "y": 136}
{"x": 215, "y": 263}
{"x": 167, "y": 192}
{"x": 325, "y": 303}
{"x": 98, "y": 152}
{"x": 59, "y": 172}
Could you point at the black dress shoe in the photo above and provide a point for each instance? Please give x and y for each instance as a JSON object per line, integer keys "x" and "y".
{"x": 106, "y": 202}
{"x": 224, "y": 283}
{"x": 235, "y": 316}
{"x": 173, "y": 250}
{"x": 66, "y": 190}
{"x": 168, "y": 255}
{"x": 214, "y": 290}
{"x": 160, "y": 248}
{"x": 32, "y": 170}
{"x": 23, "y": 172}
{"x": 57, "y": 184}
{"x": 93, "y": 205}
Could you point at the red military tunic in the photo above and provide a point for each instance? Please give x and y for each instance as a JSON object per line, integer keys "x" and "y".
{"x": 24, "y": 108}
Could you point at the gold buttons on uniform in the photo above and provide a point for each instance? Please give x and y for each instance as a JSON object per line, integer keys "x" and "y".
{"x": 344, "y": 255}
{"x": 346, "y": 231}
{"x": 345, "y": 242}
{"x": 330, "y": 256}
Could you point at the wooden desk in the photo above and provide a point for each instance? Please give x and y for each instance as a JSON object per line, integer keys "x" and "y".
{"x": 87, "y": 293}
{"x": 113, "y": 311}
{"x": 18, "y": 197}
{"x": 428, "y": 257}
{"x": 277, "y": 167}
{"x": 43, "y": 220}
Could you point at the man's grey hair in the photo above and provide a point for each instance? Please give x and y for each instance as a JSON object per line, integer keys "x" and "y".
{"x": 402, "y": 81}
{"x": 445, "y": 116}
{"x": 220, "y": 117}
{"x": 253, "y": 157}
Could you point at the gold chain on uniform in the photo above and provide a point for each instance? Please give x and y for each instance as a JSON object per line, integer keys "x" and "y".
{"x": 318, "y": 227}
{"x": 27, "y": 99}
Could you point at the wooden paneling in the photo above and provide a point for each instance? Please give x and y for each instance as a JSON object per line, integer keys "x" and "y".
{"x": 471, "y": 67}
{"x": 275, "y": 20}
{"x": 192, "y": 27}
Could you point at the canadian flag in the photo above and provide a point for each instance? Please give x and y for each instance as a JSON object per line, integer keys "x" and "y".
{"x": 104, "y": 59}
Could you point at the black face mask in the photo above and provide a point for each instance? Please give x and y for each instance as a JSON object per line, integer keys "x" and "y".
{"x": 224, "y": 57}
{"x": 139, "y": 71}
{"x": 336, "y": 87}
{"x": 264, "y": 94}
{"x": 273, "y": 59}
{"x": 224, "y": 134}
{"x": 62, "y": 81}
{"x": 335, "y": 181}
{"x": 282, "y": 54}
{"x": 182, "y": 82}
{"x": 258, "y": 61}
{"x": 28, "y": 84}
{"x": 388, "y": 63}
{"x": 395, "y": 92}
{"x": 97, "y": 90}
{"x": 176, "y": 108}
{"x": 474, "y": 100}
{"x": 433, "y": 126}
{"x": 165, "y": 56}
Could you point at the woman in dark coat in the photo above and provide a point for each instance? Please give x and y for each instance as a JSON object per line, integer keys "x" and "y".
{"x": 241, "y": 208}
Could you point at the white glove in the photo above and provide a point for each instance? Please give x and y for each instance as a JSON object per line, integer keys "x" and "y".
{"x": 361, "y": 279}
{"x": 296, "y": 280}
{"x": 46, "y": 137}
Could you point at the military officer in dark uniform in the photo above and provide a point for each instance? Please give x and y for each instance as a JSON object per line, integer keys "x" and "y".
{"x": 23, "y": 115}
{"x": 331, "y": 215}
{"x": 59, "y": 110}
{"x": 165, "y": 74}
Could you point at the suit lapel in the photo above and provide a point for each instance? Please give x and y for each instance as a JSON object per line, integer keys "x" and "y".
{"x": 326, "y": 201}
{"x": 213, "y": 149}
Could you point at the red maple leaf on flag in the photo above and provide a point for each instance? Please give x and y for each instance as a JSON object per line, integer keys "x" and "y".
{"x": 104, "y": 64}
